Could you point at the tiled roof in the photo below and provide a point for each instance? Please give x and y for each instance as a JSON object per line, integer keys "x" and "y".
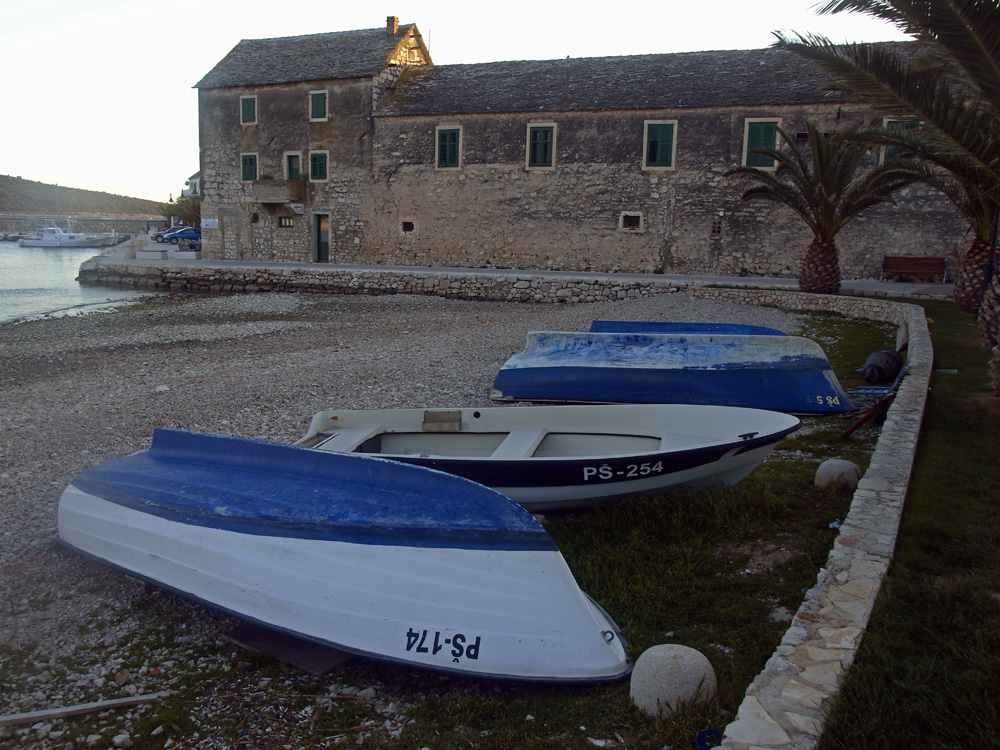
{"x": 680, "y": 80}
{"x": 314, "y": 57}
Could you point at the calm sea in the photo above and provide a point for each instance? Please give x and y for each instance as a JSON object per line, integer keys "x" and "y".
{"x": 38, "y": 282}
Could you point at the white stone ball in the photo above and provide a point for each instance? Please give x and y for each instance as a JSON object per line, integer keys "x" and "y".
{"x": 837, "y": 470}
{"x": 669, "y": 674}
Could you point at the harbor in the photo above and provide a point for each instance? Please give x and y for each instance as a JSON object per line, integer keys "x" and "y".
{"x": 38, "y": 282}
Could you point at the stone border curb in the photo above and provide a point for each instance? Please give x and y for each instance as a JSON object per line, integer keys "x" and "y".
{"x": 785, "y": 706}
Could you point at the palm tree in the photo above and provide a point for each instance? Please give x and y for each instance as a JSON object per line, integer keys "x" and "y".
{"x": 826, "y": 189}
{"x": 948, "y": 78}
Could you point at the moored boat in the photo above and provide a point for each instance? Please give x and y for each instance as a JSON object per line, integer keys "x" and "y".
{"x": 56, "y": 237}
{"x": 781, "y": 373}
{"x": 370, "y": 556}
{"x": 564, "y": 457}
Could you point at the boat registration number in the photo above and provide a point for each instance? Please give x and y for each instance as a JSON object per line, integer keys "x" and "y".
{"x": 631, "y": 471}
{"x": 823, "y": 400}
{"x": 424, "y": 642}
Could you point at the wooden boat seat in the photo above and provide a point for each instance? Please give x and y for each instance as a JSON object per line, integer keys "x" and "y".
{"x": 521, "y": 442}
{"x": 348, "y": 438}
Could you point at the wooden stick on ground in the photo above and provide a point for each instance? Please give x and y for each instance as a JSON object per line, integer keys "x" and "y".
{"x": 83, "y": 708}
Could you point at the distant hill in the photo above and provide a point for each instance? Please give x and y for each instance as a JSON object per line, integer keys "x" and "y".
{"x": 25, "y": 197}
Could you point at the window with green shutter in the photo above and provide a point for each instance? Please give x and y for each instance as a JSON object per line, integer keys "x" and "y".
{"x": 248, "y": 110}
{"x": 541, "y": 142}
{"x": 660, "y": 144}
{"x": 449, "y": 141}
{"x": 317, "y": 105}
{"x": 293, "y": 166}
{"x": 248, "y": 164}
{"x": 761, "y": 134}
{"x": 317, "y": 165}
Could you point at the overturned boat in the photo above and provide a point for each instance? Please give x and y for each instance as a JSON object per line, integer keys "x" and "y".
{"x": 666, "y": 326}
{"x": 370, "y": 556}
{"x": 777, "y": 372}
{"x": 564, "y": 457}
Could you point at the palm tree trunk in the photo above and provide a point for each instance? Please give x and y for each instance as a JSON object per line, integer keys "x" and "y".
{"x": 820, "y": 272}
{"x": 971, "y": 277}
{"x": 989, "y": 313}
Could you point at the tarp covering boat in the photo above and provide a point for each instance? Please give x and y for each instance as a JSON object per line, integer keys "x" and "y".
{"x": 781, "y": 373}
{"x": 370, "y": 556}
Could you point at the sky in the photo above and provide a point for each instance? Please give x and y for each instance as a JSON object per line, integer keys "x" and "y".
{"x": 99, "y": 94}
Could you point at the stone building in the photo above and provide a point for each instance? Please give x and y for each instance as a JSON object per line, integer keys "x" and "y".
{"x": 353, "y": 147}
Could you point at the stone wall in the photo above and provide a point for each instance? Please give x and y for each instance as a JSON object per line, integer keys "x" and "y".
{"x": 493, "y": 212}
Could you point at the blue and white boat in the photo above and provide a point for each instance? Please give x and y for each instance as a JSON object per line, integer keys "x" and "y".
{"x": 664, "y": 326}
{"x": 565, "y": 457}
{"x": 370, "y": 556}
{"x": 780, "y": 373}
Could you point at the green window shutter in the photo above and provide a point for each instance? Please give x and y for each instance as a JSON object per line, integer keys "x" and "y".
{"x": 540, "y": 147}
{"x": 249, "y": 167}
{"x": 448, "y": 143}
{"x": 317, "y": 106}
{"x": 761, "y": 135}
{"x": 248, "y": 110}
{"x": 317, "y": 166}
{"x": 659, "y": 144}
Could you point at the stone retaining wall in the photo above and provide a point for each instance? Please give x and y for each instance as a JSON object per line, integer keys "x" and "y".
{"x": 785, "y": 705}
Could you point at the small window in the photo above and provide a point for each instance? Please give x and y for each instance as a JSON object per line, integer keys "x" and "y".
{"x": 317, "y": 106}
{"x": 317, "y": 165}
{"x": 285, "y": 221}
{"x": 293, "y": 165}
{"x": 541, "y": 146}
{"x": 759, "y": 133}
{"x": 630, "y": 221}
{"x": 660, "y": 144}
{"x": 248, "y": 167}
{"x": 449, "y": 147}
{"x": 408, "y": 227}
{"x": 248, "y": 110}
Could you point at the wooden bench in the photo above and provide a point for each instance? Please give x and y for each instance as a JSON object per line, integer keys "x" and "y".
{"x": 902, "y": 265}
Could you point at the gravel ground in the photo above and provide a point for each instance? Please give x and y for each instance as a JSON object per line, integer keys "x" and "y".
{"x": 75, "y": 392}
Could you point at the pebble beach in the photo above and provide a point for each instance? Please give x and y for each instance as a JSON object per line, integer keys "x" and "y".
{"x": 75, "y": 392}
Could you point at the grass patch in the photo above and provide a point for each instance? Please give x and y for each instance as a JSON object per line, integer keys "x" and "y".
{"x": 929, "y": 664}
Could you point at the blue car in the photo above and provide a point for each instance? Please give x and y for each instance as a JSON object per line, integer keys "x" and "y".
{"x": 188, "y": 233}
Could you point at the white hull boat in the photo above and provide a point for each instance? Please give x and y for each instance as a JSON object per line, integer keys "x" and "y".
{"x": 564, "y": 457}
{"x": 369, "y": 556}
{"x": 56, "y": 237}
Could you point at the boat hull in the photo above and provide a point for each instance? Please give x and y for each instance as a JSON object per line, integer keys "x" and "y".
{"x": 780, "y": 373}
{"x": 567, "y": 457}
{"x": 390, "y": 562}
{"x": 658, "y": 326}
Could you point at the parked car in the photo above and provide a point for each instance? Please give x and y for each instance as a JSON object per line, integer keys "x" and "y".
{"x": 162, "y": 234}
{"x": 188, "y": 233}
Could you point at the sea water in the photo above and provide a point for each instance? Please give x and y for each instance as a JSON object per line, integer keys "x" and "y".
{"x": 38, "y": 282}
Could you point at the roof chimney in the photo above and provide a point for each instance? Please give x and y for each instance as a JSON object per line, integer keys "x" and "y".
{"x": 391, "y": 26}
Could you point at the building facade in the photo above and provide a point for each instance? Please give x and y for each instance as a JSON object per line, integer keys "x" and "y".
{"x": 353, "y": 147}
